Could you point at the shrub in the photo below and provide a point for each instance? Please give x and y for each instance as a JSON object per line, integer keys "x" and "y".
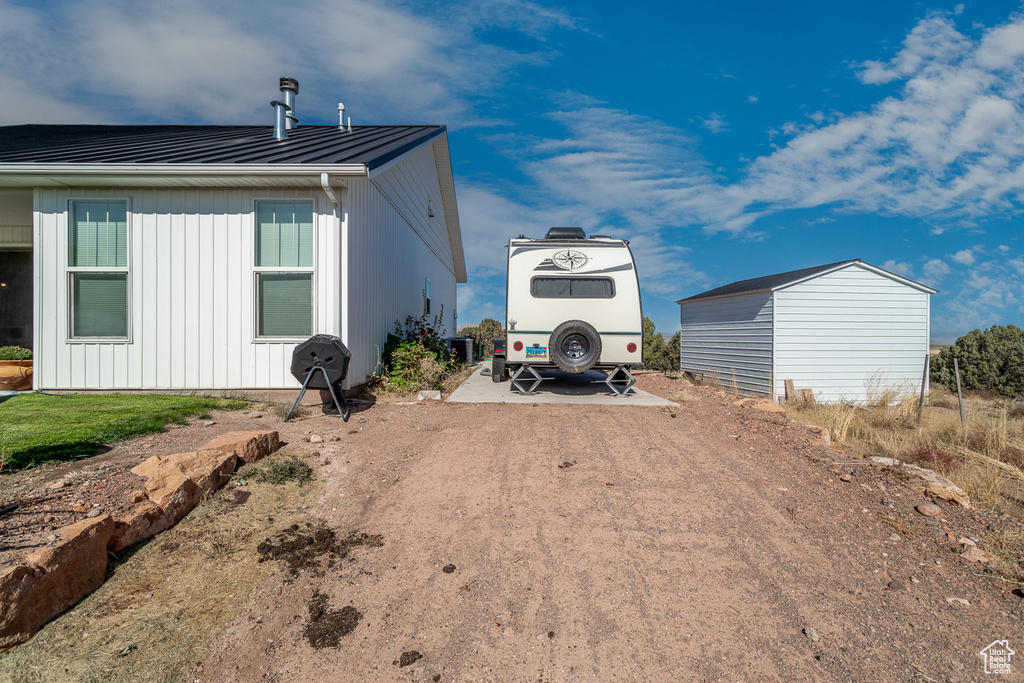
{"x": 417, "y": 356}
{"x": 277, "y": 470}
{"x": 659, "y": 354}
{"x": 15, "y": 353}
{"x": 992, "y": 360}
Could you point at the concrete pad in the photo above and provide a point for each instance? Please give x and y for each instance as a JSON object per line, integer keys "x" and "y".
{"x": 587, "y": 388}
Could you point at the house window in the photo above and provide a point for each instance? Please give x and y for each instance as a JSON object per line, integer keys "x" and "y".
{"x": 98, "y": 269}
{"x": 426, "y": 297}
{"x": 284, "y": 268}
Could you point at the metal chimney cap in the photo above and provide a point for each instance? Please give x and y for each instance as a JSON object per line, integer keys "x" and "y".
{"x": 289, "y": 84}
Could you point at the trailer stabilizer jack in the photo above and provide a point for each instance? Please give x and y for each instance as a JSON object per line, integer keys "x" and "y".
{"x": 532, "y": 375}
{"x": 620, "y": 380}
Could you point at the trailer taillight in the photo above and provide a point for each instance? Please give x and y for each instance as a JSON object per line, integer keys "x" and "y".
{"x": 631, "y": 347}
{"x": 518, "y": 346}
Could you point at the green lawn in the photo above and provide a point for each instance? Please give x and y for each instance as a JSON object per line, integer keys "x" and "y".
{"x": 35, "y": 428}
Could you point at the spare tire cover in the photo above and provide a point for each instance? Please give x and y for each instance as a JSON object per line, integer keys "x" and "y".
{"x": 575, "y": 346}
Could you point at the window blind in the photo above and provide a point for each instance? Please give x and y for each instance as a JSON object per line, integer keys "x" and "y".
{"x": 100, "y": 304}
{"x": 98, "y": 234}
{"x": 284, "y": 234}
{"x": 285, "y": 301}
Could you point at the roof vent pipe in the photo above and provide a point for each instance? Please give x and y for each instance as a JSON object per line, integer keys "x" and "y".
{"x": 284, "y": 119}
{"x": 290, "y": 88}
{"x": 341, "y": 116}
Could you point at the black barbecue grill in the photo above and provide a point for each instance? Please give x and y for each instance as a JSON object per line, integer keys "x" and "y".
{"x": 321, "y": 362}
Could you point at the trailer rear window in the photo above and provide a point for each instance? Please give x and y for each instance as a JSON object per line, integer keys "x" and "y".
{"x": 572, "y": 287}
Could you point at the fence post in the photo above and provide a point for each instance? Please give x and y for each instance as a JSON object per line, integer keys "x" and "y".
{"x": 959, "y": 395}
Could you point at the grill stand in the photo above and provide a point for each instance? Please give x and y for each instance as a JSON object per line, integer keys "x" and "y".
{"x": 533, "y": 376}
{"x": 309, "y": 375}
{"x": 620, "y": 377}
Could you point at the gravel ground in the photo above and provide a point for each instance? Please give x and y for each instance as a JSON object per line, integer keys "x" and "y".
{"x": 564, "y": 543}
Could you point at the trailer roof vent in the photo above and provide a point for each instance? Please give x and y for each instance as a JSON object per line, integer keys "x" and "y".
{"x": 566, "y": 234}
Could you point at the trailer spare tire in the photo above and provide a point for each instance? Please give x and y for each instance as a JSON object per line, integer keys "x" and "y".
{"x": 575, "y": 346}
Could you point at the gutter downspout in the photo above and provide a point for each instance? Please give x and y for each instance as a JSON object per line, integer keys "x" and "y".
{"x": 340, "y": 280}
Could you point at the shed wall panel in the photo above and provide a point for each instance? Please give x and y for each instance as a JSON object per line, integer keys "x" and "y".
{"x": 729, "y": 340}
{"x": 851, "y": 335}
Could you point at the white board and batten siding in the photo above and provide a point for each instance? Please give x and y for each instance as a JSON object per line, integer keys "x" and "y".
{"x": 851, "y": 335}
{"x": 191, "y": 293}
{"x": 729, "y": 340}
{"x": 398, "y": 247}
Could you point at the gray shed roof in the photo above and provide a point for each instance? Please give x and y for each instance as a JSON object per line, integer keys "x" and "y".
{"x": 371, "y": 146}
{"x": 770, "y": 282}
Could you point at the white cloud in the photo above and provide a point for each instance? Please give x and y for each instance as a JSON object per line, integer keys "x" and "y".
{"x": 206, "y": 62}
{"x": 935, "y": 270}
{"x": 752, "y": 99}
{"x": 715, "y": 123}
{"x": 964, "y": 257}
{"x": 900, "y": 268}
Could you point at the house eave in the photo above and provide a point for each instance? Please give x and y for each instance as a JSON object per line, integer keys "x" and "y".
{"x": 173, "y": 175}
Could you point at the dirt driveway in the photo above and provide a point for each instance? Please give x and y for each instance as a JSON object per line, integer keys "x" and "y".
{"x": 561, "y": 543}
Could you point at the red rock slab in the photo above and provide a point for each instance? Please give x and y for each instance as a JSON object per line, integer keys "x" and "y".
{"x": 248, "y": 446}
{"x": 50, "y": 580}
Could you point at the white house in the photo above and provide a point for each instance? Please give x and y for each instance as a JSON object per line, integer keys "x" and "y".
{"x": 847, "y": 330}
{"x": 197, "y": 257}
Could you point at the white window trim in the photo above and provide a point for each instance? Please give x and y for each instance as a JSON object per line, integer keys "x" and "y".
{"x": 70, "y": 271}
{"x": 257, "y": 270}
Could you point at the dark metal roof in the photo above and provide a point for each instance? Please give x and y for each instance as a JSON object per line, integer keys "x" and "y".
{"x": 767, "y": 282}
{"x": 327, "y": 145}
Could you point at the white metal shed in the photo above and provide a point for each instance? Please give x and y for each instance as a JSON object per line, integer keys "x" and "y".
{"x": 846, "y": 330}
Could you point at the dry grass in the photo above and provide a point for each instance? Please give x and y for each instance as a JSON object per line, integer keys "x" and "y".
{"x": 981, "y": 460}
{"x": 1007, "y": 545}
{"x": 154, "y": 619}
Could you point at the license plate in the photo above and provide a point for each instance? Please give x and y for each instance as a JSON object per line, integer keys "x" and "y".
{"x": 536, "y": 352}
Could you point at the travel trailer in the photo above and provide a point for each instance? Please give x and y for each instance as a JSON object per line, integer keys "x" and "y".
{"x": 572, "y": 303}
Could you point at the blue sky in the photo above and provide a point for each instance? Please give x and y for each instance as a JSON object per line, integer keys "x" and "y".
{"x": 727, "y": 140}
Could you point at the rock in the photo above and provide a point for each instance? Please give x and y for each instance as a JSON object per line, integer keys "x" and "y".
{"x": 52, "y": 579}
{"x": 895, "y": 537}
{"x": 896, "y": 586}
{"x": 846, "y": 477}
{"x": 764, "y": 405}
{"x": 975, "y": 554}
{"x": 248, "y": 446}
{"x": 448, "y": 568}
{"x": 822, "y": 434}
{"x": 209, "y": 423}
{"x": 316, "y": 438}
{"x": 966, "y": 541}
{"x": 137, "y": 496}
{"x": 429, "y": 395}
{"x": 54, "y": 485}
{"x": 958, "y": 602}
{"x": 143, "y": 522}
{"x": 408, "y": 658}
{"x": 929, "y": 509}
{"x": 932, "y": 484}
{"x": 80, "y": 507}
{"x": 914, "y": 579}
{"x": 47, "y": 519}
{"x": 95, "y": 512}
{"x": 255, "y": 416}
{"x": 177, "y": 482}
{"x": 811, "y": 634}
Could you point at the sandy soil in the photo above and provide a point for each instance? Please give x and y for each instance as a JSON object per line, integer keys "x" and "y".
{"x": 562, "y": 543}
